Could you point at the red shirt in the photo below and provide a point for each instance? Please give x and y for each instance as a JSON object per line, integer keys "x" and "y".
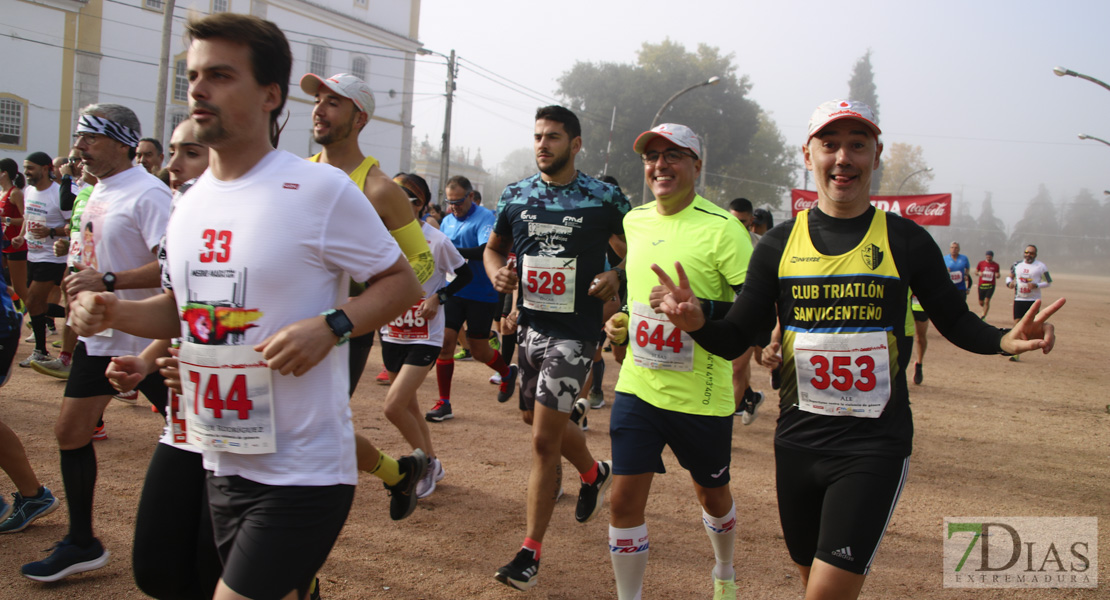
{"x": 988, "y": 273}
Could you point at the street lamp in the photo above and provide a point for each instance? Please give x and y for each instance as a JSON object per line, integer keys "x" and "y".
{"x": 655, "y": 121}
{"x": 1084, "y": 136}
{"x": 908, "y": 178}
{"x": 1061, "y": 71}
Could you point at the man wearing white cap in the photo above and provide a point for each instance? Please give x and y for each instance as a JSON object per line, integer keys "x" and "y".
{"x": 839, "y": 275}
{"x": 672, "y": 392}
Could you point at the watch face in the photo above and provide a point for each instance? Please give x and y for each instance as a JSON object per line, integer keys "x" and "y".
{"x": 339, "y": 323}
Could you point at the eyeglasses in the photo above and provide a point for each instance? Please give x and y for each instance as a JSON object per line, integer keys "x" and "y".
{"x": 456, "y": 202}
{"x": 88, "y": 138}
{"x": 671, "y": 156}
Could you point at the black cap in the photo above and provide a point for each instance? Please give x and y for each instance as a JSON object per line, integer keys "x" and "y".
{"x": 762, "y": 216}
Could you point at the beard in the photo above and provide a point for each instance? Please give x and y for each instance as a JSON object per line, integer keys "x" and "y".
{"x": 336, "y": 133}
{"x": 558, "y": 162}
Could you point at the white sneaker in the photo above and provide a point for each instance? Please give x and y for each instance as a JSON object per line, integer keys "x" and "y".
{"x": 427, "y": 484}
{"x": 495, "y": 379}
{"x": 439, "y": 470}
{"x": 35, "y": 356}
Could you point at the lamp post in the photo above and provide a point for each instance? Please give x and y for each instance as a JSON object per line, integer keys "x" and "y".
{"x": 1061, "y": 71}
{"x": 911, "y": 175}
{"x": 655, "y": 121}
{"x": 1084, "y": 136}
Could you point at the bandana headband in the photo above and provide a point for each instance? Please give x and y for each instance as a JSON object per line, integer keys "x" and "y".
{"x": 121, "y": 133}
{"x": 407, "y": 184}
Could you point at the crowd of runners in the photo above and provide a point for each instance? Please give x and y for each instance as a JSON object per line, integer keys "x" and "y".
{"x": 239, "y": 289}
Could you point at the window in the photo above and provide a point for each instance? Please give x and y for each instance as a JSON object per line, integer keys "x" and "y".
{"x": 361, "y": 3}
{"x": 176, "y": 119}
{"x": 358, "y": 67}
{"x": 219, "y": 6}
{"x": 13, "y": 122}
{"x": 180, "y": 81}
{"x": 154, "y": 4}
{"x": 318, "y": 59}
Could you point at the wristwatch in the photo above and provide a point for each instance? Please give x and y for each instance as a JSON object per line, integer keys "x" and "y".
{"x": 442, "y": 295}
{"x": 339, "y": 324}
{"x": 109, "y": 280}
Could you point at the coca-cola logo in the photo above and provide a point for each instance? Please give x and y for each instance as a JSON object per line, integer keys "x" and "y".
{"x": 803, "y": 204}
{"x": 933, "y": 209}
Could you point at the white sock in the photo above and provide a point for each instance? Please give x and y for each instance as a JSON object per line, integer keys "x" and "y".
{"x": 628, "y": 551}
{"x": 722, "y": 534}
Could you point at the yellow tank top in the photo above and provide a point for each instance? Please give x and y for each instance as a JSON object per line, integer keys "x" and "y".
{"x": 359, "y": 174}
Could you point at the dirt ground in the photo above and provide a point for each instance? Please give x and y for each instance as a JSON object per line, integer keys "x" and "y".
{"x": 994, "y": 438}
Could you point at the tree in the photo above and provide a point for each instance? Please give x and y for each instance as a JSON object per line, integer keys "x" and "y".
{"x": 861, "y": 87}
{"x": 1038, "y": 226}
{"x": 516, "y": 165}
{"x": 737, "y": 144}
{"x": 992, "y": 231}
{"x": 1086, "y": 238}
{"x": 903, "y": 160}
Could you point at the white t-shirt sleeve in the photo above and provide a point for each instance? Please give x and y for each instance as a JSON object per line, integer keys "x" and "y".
{"x": 152, "y": 212}
{"x": 355, "y": 239}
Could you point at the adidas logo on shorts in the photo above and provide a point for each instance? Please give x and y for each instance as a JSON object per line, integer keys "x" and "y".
{"x": 844, "y": 553}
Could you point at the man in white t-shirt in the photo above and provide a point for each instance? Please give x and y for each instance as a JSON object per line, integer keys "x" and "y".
{"x": 122, "y": 223}
{"x": 44, "y": 220}
{"x": 261, "y": 250}
{"x": 1027, "y": 278}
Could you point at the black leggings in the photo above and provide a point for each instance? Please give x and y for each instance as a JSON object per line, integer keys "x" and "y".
{"x": 174, "y": 555}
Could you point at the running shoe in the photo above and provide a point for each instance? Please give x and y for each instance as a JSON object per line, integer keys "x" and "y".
{"x": 591, "y": 495}
{"x": 918, "y": 376}
{"x": 128, "y": 397}
{"x": 435, "y": 473}
{"x": 5, "y": 509}
{"x": 54, "y": 367}
{"x": 752, "y": 403}
{"x": 776, "y": 378}
{"x": 724, "y": 589}
{"x": 578, "y": 414}
{"x": 521, "y": 572}
{"x": 100, "y": 433}
{"x": 1014, "y": 358}
{"x": 463, "y": 354}
{"x": 56, "y": 344}
{"x": 508, "y": 385}
{"x": 35, "y": 357}
{"x": 597, "y": 399}
{"x": 402, "y": 495}
{"x": 440, "y": 412}
{"x": 30, "y": 339}
{"x": 26, "y": 510}
{"x": 495, "y": 379}
{"x": 314, "y": 593}
{"x": 494, "y": 342}
{"x": 66, "y": 558}
{"x": 383, "y": 377}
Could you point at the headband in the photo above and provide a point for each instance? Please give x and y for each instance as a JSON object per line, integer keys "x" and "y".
{"x": 409, "y": 185}
{"x": 121, "y": 133}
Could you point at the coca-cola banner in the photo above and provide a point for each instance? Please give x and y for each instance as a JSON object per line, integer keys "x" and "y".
{"x": 929, "y": 209}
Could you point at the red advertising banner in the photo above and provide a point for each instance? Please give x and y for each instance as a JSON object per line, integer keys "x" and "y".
{"x": 929, "y": 209}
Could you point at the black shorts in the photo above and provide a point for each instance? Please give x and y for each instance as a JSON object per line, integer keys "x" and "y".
{"x": 87, "y": 380}
{"x": 1021, "y": 307}
{"x": 395, "y": 355}
{"x": 478, "y": 316}
{"x": 273, "y": 539}
{"x": 920, "y": 316}
{"x": 9, "y": 344}
{"x": 836, "y": 508}
{"x": 985, "y": 293}
{"x": 17, "y": 255}
{"x": 46, "y": 271}
{"x": 638, "y": 431}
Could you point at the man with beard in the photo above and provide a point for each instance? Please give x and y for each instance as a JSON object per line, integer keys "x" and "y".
{"x": 558, "y": 224}
{"x": 128, "y": 210}
{"x": 43, "y": 220}
{"x": 344, "y": 105}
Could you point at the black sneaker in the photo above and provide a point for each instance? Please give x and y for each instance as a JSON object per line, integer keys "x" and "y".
{"x": 776, "y": 378}
{"x": 521, "y": 572}
{"x": 66, "y": 559}
{"x": 402, "y": 499}
{"x": 918, "y": 376}
{"x": 440, "y": 412}
{"x": 578, "y": 414}
{"x": 508, "y": 384}
{"x": 315, "y": 593}
{"x": 753, "y": 401}
{"x": 590, "y": 496}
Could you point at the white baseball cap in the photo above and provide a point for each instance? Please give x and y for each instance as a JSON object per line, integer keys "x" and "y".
{"x": 679, "y": 135}
{"x": 834, "y": 110}
{"x": 343, "y": 84}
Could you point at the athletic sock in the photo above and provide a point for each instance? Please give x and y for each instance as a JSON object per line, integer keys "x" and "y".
{"x": 38, "y": 326}
{"x": 498, "y": 364}
{"x": 589, "y": 477}
{"x": 79, "y": 479}
{"x": 445, "y": 370}
{"x": 66, "y": 357}
{"x": 55, "y": 311}
{"x": 599, "y": 374}
{"x": 508, "y": 345}
{"x": 387, "y": 469}
{"x": 628, "y": 551}
{"x": 533, "y": 545}
{"x": 722, "y": 534}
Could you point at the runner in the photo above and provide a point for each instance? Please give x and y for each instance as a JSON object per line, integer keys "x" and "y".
{"x": 283, "y": 480}
{"x": 840, "y": 276}
{"x": 12, "y": 183}
{"x": 557, "y": 223}
{"x": 672, "y": 392}
{"x": 1027, "y": 279}
{"x": 958, "y": 268}
{"x": 987, "y": 271}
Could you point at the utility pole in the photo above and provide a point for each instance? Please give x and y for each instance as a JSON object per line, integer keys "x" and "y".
{"x": 445, "y": 155}
{"x": 163, "y": 73}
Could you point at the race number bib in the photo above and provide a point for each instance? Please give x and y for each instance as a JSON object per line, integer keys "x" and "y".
{"x": 175, "y": 416}
{"x": 549, "y": 283}
{"x": 1025, "y": 286}
{"x": 657, "y": 343}
{"x": 987, "y": 277}
{"x": 843, "y": 374}
{"x": 410, "y": 325}
{"x": 957, "y": 277}
{"x": 228, "y": 395}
